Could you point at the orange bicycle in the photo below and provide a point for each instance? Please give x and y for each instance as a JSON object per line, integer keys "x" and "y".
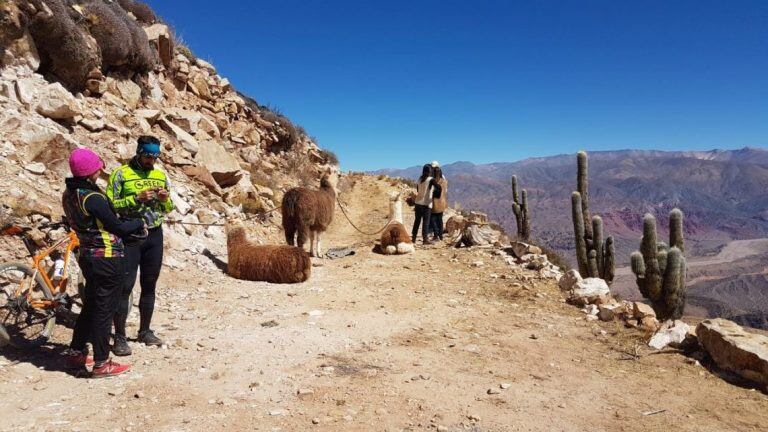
{"x": 32, "y": 297}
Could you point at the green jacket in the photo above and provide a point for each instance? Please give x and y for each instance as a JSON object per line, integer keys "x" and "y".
{"x": 128, "y": 181}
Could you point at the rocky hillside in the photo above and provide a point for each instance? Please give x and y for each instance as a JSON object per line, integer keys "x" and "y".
{"x": 721, "y": 192}
{"x": 99, "y": 74}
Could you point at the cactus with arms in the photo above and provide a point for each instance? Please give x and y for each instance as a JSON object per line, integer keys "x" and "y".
{"x": 594, "y": 252}
{"x": 660, "y": 268}
{"x": 520, "y": 209}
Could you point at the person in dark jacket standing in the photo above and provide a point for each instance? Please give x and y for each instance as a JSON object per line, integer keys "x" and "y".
{"x": 138, "y": 189}
{"x": 425, "y": 190}
{"x": 439, "y": 204}
{"x": 101, "y": 260}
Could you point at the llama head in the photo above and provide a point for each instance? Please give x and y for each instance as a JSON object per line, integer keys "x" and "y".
{"x": 330, "y": 180}
{"x": 395, "y": 207}
{"x": 234, "y": 228}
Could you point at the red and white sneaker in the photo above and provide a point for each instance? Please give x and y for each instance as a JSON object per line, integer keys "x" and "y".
{"x": 109, "y": 369}
{"x": 78, "y": 360}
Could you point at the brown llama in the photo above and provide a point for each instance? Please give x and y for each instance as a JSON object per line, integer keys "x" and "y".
{"x": 395, "y": 238}
{"x": 267, "y": 263}
{"x": 307, "y": 213}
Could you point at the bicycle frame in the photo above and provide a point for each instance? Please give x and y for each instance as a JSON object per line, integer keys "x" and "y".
{"x": 57, "y": 291}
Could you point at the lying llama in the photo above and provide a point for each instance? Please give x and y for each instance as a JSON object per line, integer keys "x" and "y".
{"x": 307, "y": 213}
{"x": 268, "y": 263}
{"x": 395, "y": 238}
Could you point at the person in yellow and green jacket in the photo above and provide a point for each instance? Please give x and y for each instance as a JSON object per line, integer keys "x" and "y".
{"x": 138, "y": 189}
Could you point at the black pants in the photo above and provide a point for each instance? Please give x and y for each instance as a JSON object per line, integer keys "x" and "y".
{"x": 436, "y": 225}
{"x": 422, "y": 216}
{"x": 149, "y": 258}
{"x": 104, "y": 280}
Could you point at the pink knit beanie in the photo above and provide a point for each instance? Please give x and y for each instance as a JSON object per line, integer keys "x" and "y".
{"x": 84, "y": 162}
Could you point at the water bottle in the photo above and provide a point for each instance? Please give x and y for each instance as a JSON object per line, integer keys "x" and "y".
{"x": 58, "y": 270}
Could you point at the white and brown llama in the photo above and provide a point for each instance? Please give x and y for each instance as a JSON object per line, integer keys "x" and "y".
{"x": 307, "y": 213}
{"x": 267, "y": 263}
{"x": 395, "y": 239}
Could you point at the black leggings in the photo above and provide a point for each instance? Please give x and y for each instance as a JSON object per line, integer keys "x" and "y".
{"x": 104, "y": 280}
{"x": 436, "y": 225}
{"x": 422, "y": 215}
{"x": 149, "y": 257}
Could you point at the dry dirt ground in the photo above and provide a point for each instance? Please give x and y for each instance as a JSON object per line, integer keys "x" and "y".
{"x": 426, "y": 341}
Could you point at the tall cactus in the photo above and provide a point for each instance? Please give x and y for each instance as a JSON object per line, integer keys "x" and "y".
{"x": 594, "y": 252}
{"x": 520, "y": 209}
{"x": 660, "y": 268}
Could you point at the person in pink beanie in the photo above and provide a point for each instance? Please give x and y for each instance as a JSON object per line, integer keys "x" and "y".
{"x": 102, "y": 253}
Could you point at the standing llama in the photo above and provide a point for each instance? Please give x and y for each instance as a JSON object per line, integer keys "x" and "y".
{"x": 267, "y": 263}
{"x": 308, "y": 213}
{"x": 395, "y": 238}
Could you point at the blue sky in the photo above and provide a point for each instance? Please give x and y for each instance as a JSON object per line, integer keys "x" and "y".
{"x": 400, "y": 83}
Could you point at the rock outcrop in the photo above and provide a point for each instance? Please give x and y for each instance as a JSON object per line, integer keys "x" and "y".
{"x": 734, "y": 349}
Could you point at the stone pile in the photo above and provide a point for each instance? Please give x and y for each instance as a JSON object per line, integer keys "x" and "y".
{"x": 531, "y": 257}
{"x": 594, "y": 297}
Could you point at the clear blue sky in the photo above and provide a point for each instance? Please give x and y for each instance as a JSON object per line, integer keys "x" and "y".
{"x": 399, "y": 83}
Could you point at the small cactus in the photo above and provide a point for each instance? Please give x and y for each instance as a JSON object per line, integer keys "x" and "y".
{"x": 594, "y": 252}
{"x": 520, "y": 209}
{"x": 660, "y": 268}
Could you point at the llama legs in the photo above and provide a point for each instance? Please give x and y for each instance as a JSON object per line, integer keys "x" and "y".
{"x": 302, "y": 238}
{"x": 317, "y": 246}
{"x": 312, "y": 243}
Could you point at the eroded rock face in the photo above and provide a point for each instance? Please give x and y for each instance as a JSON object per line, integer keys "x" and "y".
{"x": 734, "y": 349}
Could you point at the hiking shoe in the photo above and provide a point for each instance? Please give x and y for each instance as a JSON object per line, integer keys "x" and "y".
{"x": 148, "y": 338}
{"x": 427, "y": 242}
{"x": 120, "y": 346}
{"x": 77, "y": 360}
{"x": 109, "y": 369}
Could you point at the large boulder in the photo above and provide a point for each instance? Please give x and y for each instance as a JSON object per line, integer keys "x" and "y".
{"x": 187, "y": 141}
{"x": 55, "y": 102}
{"x": 216, "y": 158}
{"x": 571, "y": 278}
{"x": 671, "y": 333}
{"x": 39, "y": 142}
{"x": 588, "y": 290}
{"x": 127, "y": 90}
{"x": 734, "y": 349}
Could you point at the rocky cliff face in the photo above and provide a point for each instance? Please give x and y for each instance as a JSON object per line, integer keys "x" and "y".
{"x": 223, "y": 152}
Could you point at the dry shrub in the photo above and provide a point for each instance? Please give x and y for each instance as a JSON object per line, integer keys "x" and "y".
{"x": 297, "y": 164}
{"x": 67, "y": 54}
{"x": 140, "y": 10}
{"x": 329, "y": 157}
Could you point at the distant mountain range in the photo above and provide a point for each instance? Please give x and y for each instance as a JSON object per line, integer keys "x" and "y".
{"x": 724, "y": 193}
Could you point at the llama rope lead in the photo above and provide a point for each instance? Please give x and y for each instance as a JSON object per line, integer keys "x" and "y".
{"x": 179, "y": 222}
{"x": 344, "y": 212}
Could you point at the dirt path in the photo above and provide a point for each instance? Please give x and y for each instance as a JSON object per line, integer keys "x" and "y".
{"x": 414, "y": 342}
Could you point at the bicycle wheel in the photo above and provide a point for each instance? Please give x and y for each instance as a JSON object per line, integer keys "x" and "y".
{"x": 24, "y": 324}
